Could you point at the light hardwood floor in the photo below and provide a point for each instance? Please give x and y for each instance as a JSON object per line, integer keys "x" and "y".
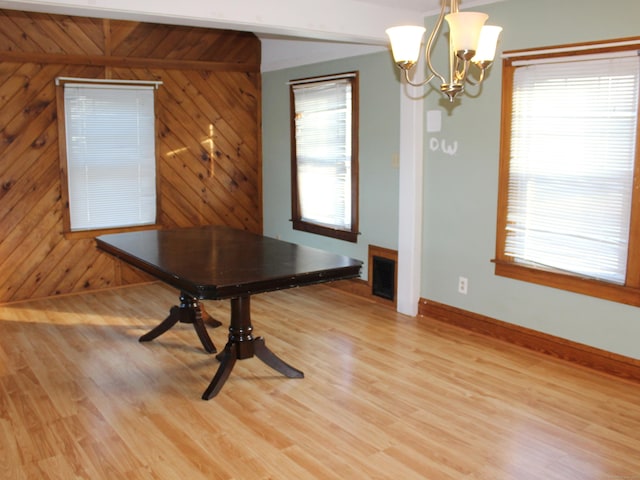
{"x": 385, "y": 396}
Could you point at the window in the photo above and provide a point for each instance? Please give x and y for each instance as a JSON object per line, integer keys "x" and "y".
{"x": 109, "y": 155}
{"x": 568, "y": 167}
{"x": 324, "y": 155}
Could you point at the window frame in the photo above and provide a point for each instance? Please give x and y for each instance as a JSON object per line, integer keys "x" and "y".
{"x": 349, "y": 235}
{"x": 627, "y": 293}
{"x": 62, "y": 147}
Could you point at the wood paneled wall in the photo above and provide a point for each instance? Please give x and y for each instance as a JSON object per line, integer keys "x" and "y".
{"x": 209, "y": 141}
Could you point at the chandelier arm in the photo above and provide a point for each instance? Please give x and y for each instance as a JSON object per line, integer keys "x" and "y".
{"x": 417, "y": 84}
{"x": 461, "y": 75}
{"x": 434, "y": 33}
{"x": 480, "y": 78}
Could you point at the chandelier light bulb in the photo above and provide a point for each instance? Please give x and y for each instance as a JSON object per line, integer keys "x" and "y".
{"x": 405, "y": 44}
{"x": 487, "y": 44}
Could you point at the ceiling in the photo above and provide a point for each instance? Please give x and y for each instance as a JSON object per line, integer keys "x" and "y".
{"x": 293, "y": 32}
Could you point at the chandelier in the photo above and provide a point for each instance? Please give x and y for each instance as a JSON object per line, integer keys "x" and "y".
{"x": 471, "y": 44}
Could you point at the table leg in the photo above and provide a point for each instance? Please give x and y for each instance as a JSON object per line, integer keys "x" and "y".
{"x": 189, "y": 311}
{"x": 271, "y": 359}
{"x": 227, "y": 358}
{"x": 242, "y": 345}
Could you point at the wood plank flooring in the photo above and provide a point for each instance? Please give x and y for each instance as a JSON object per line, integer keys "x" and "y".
{"x": 385, "y": 396}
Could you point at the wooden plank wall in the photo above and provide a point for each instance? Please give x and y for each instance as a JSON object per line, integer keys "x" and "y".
{"x": 209, "y": 142}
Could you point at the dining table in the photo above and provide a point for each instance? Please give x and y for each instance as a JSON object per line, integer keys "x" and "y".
{"x": 215, "y": 262}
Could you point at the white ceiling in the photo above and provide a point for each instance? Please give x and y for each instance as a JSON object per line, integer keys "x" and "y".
{"x": 293, "y": 32}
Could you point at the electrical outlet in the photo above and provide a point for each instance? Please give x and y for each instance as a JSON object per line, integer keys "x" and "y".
{"x": 463, "y": 285}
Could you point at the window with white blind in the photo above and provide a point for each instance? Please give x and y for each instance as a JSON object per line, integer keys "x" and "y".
{"x": 567, "y": 175}
{"x": 324, "y": 165}
{"x": 110, "y": 155}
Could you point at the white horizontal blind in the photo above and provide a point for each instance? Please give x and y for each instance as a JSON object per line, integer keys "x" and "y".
{"x": 323, "y": 118}
{"x": 573, "y": 141}
{"x": 111, "y": 159}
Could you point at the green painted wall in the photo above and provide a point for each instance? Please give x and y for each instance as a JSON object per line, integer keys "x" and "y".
{"x": 460, "y": 189}
{"x": 379, "y": 118}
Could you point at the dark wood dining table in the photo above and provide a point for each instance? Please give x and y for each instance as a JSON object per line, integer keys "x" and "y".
{"x": 216, "y": 263}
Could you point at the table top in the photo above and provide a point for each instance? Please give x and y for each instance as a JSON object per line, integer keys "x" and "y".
{"x": 216, "y": 262}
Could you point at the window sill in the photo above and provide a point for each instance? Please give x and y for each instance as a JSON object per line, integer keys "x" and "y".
{"x": 95, "y": 233}
{"x": 585, "y": 286}
{"x": 338, "y": 234}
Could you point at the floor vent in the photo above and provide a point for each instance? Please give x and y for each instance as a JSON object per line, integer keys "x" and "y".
{"x": 383, "y": 272}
